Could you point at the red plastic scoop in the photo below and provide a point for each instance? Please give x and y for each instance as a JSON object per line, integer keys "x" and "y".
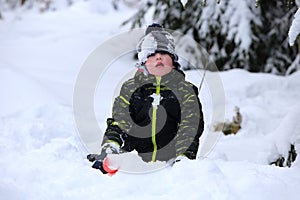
{"x": 106, "y": 167}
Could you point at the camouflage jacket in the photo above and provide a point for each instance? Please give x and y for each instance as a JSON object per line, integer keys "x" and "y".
{"x": 159, "y": 117}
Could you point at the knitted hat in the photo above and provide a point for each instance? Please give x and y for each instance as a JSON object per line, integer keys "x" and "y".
{"x": 156, "y": 39}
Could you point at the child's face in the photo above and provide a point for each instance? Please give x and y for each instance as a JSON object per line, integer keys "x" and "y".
{"x": 159, "y": 64}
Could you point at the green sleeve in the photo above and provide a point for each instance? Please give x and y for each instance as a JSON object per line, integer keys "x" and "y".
{"x": 191, "y": 125}
{"x": 119, "y": 125}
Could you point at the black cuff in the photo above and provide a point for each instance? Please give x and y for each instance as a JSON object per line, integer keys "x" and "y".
{"x": 99, "y": 165}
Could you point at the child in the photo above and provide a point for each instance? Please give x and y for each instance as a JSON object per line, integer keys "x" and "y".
{"x": 158, "y": 112}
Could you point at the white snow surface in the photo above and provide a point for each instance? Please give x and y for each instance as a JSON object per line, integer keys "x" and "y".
{"x": 295, "y": 28}
{"x": 42, "y": 154}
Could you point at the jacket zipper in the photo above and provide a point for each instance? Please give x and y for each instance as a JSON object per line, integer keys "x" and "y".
{"x": 154, "y": 119}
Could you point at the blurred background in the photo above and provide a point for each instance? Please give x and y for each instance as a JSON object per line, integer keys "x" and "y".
{"x": 258, "y": 36}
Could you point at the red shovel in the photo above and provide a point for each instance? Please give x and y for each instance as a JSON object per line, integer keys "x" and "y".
{"x": 106, "y": 167}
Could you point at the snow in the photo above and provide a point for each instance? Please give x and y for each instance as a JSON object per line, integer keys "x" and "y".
{"x": 295, "y": 28}
{"x": 235, "y": 17}
{"x": 183, "y": 2}
{"x": 44, "y": 157}
{"x": 240, "y": 15}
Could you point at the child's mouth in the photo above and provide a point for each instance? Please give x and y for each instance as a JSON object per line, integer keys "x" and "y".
{"x": 159, "y": 65}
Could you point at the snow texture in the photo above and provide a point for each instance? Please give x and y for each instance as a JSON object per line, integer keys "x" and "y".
{"x": 240, "y": 15}
{"x": 147, "y": 47}
{"x": 42, "y": 154}
{"x": 295, "y": 28}
{"x": 235, "y": 17}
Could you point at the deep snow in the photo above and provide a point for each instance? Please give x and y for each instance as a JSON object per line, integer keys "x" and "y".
{"x": 42, "y": 154}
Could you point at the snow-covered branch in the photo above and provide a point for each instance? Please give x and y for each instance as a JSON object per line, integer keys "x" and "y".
{"x": 295, "y": 28}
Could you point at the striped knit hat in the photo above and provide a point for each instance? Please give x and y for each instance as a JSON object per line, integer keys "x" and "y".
{"x": 156, "y": 39}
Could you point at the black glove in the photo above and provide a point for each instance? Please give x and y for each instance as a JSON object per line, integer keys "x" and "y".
{"x": 99, "y": 165}
{"x": 99, "y": 158}
{"x": 98, "y": 161}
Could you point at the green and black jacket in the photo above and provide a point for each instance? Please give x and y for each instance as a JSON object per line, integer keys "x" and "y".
{"x": 160, "y": 132}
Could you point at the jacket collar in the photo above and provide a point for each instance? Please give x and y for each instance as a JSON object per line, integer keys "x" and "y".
{"x": 174, "y": 76}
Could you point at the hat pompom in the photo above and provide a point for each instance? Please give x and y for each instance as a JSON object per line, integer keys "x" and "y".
{"x": 154, "y": 27}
